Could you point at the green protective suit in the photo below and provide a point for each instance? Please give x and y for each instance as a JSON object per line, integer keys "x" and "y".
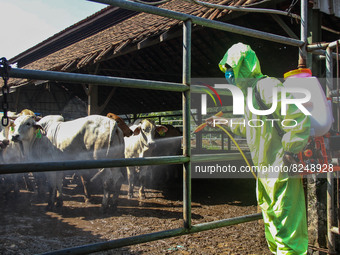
{"x": 280, "y": 197}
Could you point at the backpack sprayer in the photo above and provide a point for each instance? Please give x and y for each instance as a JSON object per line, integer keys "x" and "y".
{"x": 323, "y": 142}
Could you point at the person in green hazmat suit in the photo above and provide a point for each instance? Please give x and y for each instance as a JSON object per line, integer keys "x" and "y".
{"x": 280, "y": 195}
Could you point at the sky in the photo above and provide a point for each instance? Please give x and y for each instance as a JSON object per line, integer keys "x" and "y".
{"x": 25, "y": 23}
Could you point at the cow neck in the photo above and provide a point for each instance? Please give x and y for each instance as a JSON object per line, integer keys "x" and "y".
{"x": 142, "y": 137}
{"x": 26, "y": 148}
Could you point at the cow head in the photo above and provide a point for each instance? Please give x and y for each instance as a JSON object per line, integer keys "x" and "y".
{"x": 121, "y": 124}
{"x": 6, "y": 132}
{"x": 25, "y": 129}
{"x": 147, "y": 130}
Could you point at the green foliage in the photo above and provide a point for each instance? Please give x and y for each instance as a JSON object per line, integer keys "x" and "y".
{"x": 170, "y": 117}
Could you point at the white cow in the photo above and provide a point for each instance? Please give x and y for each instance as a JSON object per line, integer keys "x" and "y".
{"x": 140, "y": 145}
{"x": 37, "y": 148}
{"x": 4, "y": 130}
{"x": 91, "y": 137}
{"x": 5, "y": 134}
{"x": 10, "y": 153}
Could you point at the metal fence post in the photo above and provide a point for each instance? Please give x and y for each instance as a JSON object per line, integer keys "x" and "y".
{"x": 186, "y": 123}
{"x": 330, "y": 178}
{"x": 303, "y": 34}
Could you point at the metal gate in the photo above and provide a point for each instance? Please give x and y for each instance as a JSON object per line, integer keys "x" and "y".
{"x": 186, "y": 159}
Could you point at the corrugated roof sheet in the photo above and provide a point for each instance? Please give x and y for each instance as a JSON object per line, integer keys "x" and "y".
{"x": 331, "y": 7}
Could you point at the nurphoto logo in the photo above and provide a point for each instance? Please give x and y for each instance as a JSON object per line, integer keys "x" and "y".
{"x": 238, "y": 100}
{"x": 240, "y": 103}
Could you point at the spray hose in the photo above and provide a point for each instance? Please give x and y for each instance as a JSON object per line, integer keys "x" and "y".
{"x": 238, "y": 147}
{"x": 199, "y": 128}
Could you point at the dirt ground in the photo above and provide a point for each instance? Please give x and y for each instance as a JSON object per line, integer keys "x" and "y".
{"x": 26, "y": 228}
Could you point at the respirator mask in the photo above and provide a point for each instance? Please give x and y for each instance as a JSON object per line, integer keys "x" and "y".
{"x": 230, "y": 77}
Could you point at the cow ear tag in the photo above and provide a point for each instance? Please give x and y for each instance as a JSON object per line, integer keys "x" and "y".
{"x": 38, "y": 133}
{"x": 161, "y": 132}
{"x": 12, "y": 129}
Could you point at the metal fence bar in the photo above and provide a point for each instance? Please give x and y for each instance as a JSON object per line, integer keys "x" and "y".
{"x": 105, "y": 163}
{"x": 322, "y": 54}
{"x": 90, "y": 164}
{"x": 318, "y": 46}
{"x": 218, "y": 157}
{"x": 86, "y": 249}
{"x": 96, "y": 80}
{"x": 186, "y": 79}
{"x": 201, "y": 21}
{"x": 330, "y": 178}
{"x": 333, "y": 44}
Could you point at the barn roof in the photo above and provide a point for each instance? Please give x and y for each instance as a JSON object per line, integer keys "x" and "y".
{"x": 107, "y": 33}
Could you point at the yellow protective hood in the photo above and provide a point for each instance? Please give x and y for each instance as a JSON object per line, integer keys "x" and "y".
{"x": 244, "y": 62}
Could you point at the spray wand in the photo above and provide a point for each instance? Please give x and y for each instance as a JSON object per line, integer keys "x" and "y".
{"x": 219, "y": 114}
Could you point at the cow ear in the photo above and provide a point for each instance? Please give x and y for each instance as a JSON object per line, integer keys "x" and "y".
{"x": 37, "y": 118}
{"x": 137, "y": 131}
{"x": 161, "y": 130}
{"x": 13, "y": 117}
{"x": 37, "y": 126}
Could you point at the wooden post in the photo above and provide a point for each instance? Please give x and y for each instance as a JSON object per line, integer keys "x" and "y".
{"x": 92, "y": 97}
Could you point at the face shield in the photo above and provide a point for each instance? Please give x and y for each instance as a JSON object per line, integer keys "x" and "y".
{"x": 230, "y": 77}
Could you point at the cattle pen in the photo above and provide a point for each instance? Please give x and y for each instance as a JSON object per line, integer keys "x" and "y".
{"x": 186, "y": 89}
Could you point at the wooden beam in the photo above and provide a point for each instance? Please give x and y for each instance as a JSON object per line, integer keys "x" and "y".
{"x": 60, "y": 108}
{"x": 92, "y": 96}
{"x": 151, "y": 41}
{"x": 17, "y": 99}
{"x": 109, "y": 97}
{"x": 92, "y": 100}
{"x": 284, "y": 26}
